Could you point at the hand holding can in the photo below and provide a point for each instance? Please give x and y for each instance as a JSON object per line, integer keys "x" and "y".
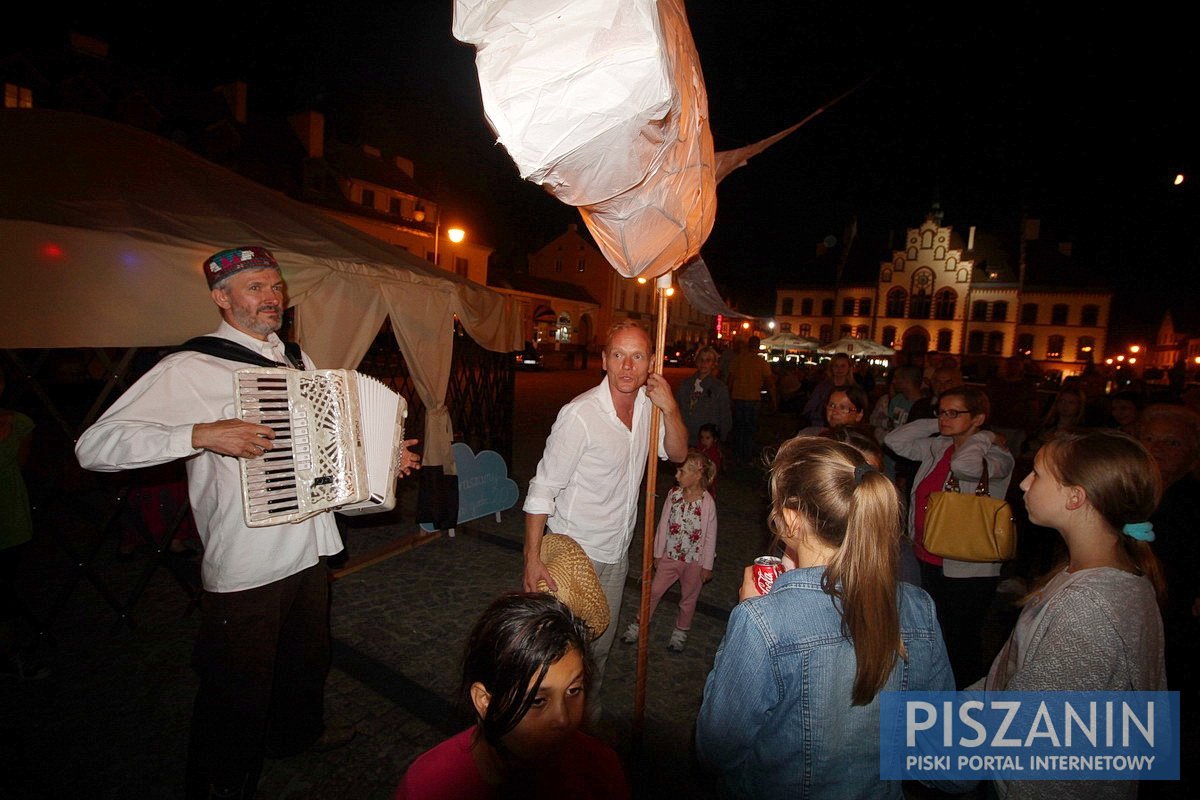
{"x": 759, "y": 577}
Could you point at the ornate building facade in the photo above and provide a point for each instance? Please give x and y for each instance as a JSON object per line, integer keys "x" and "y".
{"x": 941, "y": 293}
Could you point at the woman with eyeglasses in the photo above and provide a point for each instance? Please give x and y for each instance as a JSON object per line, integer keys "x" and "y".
{"x": 846, "y": 407}
{"x": 955, "y": 442}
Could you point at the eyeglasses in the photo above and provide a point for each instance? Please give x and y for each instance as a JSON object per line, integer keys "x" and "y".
{"x": 843, "y": 409}
{"x": 951, "y": 413}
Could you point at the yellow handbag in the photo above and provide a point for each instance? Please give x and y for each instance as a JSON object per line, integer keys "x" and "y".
{"x": 969, "y": 527}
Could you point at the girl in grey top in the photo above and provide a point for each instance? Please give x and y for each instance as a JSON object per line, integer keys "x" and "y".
{"x": 1095, "y": 624}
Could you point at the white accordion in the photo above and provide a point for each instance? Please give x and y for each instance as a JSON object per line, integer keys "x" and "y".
{"x": 338, "y": 439}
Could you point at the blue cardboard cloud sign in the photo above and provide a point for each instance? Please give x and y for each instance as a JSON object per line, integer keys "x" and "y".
{"x": 483, "y": 484}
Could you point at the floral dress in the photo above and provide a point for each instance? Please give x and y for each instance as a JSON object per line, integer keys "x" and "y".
{"x": 684, "y": 529}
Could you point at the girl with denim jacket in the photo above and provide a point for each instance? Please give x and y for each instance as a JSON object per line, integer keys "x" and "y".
{"x": 791, "y": 707}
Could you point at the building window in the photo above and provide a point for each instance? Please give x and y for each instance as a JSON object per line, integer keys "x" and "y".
{"x": 919, "y": 306}
{"x": 1054, "y": 346}
{"x": 844, "y": 331}
{"x": 558, "y": 268}
{"x": 368, "y": 198}
{"x": 1090, "y": 316}
{"x": 1000, "y": 311}
{"x": 944, "y": 340}
{"x": 1058, "y": 316}
{"x": 862, "y": 332}
{"x": 806, "y": 329}
{"x": 864, "y": 307}
{"x": 827, "y": 307}
{"x": 394, "y": 206}
{"x": 995, "y": 343}
{"x": 17, "y": 96}
{"x": 895, "y": 302}
{"x": 1029, "y": 314}
{"x": 847, "y": 306}
{"x": 979, "y": 311}
{"x": 1085, "y": 349}
{"x": 786, "y": 327}
{"x": 885, "y": 276}
{"x": 944, "y": 303}
{"x": 787, "y": 306}
{"x": 580, "y": 265}
{"x": 826, "y": 334}
{"x": 975, "y": 343}
{"x": 806, "y": 307}
{"x": 889, "y": 336}
{"x": 460, "y": 265}
{"x": 1024, "y": 344}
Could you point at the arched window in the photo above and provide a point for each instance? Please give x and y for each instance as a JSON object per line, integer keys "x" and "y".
{"x": 919, "y": 306}
{"x": 944, "y": 339}
{"x": 806, "y": 329}
{"x": 944, "y": 303}
{"x": 939, "y": 253}
{"x": 926, "y": 240}
{"x": 889, "y": 336}
{"x": 885, "y": 275}
{"x": 895, "y": 302}
{"x": 862, "y": 332}
{"x": 826, "y": 334}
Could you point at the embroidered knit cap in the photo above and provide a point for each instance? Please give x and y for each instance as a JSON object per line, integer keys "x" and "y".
{"x": 220, "y": 266}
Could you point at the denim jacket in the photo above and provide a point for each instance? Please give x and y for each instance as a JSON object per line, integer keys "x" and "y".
{"x": 777, "y": 719}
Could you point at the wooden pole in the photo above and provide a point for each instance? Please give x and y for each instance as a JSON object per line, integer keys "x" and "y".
{"x": 662, "y": 284}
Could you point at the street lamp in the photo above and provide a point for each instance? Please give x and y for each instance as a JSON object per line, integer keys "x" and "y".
{"x": 454, "y": 234}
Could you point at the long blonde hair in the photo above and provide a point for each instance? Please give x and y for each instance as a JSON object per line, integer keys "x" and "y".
{"x": 855, "y": 508}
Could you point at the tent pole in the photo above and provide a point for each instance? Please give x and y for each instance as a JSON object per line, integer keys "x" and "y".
{"x": 662, "y": 284}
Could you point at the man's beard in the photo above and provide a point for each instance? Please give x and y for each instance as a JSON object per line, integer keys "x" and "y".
{"x": 249, "y": 321}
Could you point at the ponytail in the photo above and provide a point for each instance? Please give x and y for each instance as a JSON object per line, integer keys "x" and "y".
{"x": 854, "y": 508}
{"x": 866, "y": 568}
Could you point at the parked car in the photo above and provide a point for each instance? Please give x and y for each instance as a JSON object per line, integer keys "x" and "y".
{"x": 529, "y": 357}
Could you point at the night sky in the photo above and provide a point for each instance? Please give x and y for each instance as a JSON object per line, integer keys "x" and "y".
{"x": 995, "y": 111}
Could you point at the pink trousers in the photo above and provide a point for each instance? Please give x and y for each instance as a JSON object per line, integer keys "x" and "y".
{"x": 690, "y": 581}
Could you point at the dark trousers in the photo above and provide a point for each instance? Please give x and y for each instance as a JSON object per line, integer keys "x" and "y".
{"x": 262, "y": 656}
{"x": 745, "y": 428}
{"x": 962, "y": 607}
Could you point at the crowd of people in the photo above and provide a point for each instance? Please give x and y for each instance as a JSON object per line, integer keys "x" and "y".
{"x": 1109, "y": 594}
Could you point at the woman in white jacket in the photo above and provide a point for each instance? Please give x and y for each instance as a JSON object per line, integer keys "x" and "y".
{"x": 954, "y": 442}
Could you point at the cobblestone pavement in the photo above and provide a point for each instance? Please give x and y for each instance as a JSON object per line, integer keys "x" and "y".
{"x": 111, "y": 721}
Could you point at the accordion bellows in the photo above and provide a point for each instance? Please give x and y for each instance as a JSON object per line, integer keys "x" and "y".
{"x": 578, "y": 586}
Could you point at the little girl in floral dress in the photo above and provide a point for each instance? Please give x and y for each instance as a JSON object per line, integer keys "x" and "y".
{"x": 684, "y": 545}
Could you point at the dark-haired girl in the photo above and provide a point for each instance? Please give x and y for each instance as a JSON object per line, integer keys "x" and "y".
{"x": 525, "y": 675}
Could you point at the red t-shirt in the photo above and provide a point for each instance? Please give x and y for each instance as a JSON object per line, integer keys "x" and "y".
{"x": 933, "y": 482}
{"x": 586, "y": 768}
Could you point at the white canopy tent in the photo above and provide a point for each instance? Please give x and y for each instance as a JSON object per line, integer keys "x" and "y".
{"x": 104, "y": 227}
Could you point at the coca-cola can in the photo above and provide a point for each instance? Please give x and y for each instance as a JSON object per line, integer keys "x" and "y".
{"x": 766, "y": 569}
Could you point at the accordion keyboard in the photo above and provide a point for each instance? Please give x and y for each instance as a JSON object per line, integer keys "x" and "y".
{"x": 271, "y": 487}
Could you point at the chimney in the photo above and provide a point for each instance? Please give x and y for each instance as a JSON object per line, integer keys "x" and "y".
{"x": 235, "y": 95}
{"x": 310, "y": 130}
{"x": 405, "y": 165}
{"x": 971, "y": 238}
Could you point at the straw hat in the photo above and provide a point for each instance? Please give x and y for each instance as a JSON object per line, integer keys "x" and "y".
{"x": 578, "y": 586}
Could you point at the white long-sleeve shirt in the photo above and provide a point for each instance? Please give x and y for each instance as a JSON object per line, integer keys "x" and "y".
{"x": 152, "y": 424}
{"x": 591, "y": 471}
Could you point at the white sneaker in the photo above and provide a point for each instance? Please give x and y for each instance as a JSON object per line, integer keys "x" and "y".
{"x": 630, "y": 636}
{"x": 678, "y": 640}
